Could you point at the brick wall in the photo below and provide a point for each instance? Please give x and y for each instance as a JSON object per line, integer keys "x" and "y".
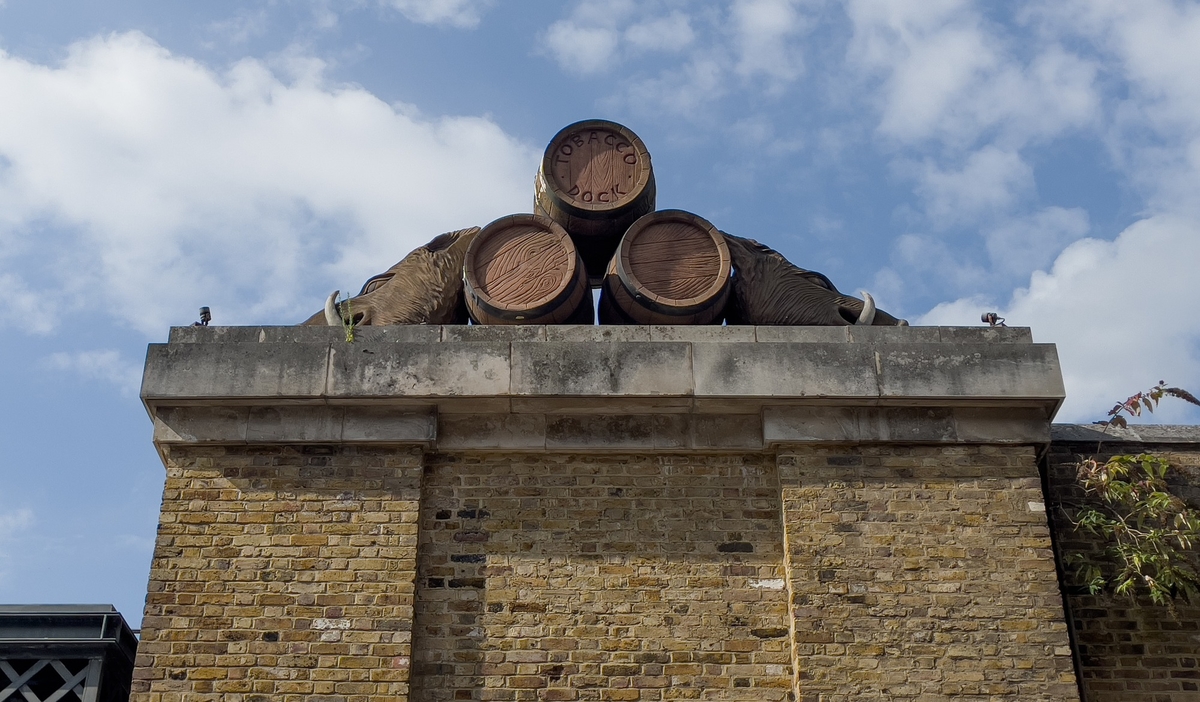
{"x": 1130, "y": 650}
{"x": 613, "y": 577}
{"x": 912, "y": 573}
{"x": 923, "y": 573}
{"x": 280, "y": 574}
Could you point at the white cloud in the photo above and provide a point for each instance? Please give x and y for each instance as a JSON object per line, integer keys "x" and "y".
{"x": 717, "y": 48}
{"x": 966, "y": 98}
{"x": 458, "y": 14}
{"x": 764, "y": 29}
{"x": 988, "y": 182}
{"x": 12, "y": 522}
{"x": 144, "y": 185}
{"x": 1120, "y": 312}
{"x": 24, "y": 308}
{"x": 931, "y": 261}
{"x": 582, "y": 49}
{"x": 102, "y": 364}
{"x": 930, "y": 264}
{"x": 325, "y": 12}
{"x": 947, "y": 75}
{"x": 599, "y": 36}
{"x": 246, "y": 24}
{"x": 926, "y": 52}
{"x": 1153, "y": 48}
{"x": 684, "y": 90}
{"x": 464, "y": 14}
{"x": 670, "y": 33}
{"x": 1026, "y": 244}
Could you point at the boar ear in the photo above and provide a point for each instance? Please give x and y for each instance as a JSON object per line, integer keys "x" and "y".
{"x": 441, "y": 241}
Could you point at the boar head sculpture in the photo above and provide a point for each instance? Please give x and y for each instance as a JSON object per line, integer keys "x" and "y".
{"x": 424, "y": 288}
{"x": 769, "y": 290}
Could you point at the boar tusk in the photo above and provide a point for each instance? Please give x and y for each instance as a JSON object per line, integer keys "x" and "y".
{"x": 332, "y": 318}
{"x": 867, "y": 316}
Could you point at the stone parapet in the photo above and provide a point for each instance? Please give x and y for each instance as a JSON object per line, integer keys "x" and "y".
{"x": 602, "y": 388}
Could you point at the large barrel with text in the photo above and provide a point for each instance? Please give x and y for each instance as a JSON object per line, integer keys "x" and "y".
{"x": 524, "y": 269}
{"x": 595, "y": 180}
{"x": 672, "y": 267}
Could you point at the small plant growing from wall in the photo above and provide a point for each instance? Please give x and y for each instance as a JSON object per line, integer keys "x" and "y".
{"x": 1149, "y": 533}
{"x": 347, "y": 315}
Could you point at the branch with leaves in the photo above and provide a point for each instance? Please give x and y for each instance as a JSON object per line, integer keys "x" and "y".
{"x": 1147, "y": 400}
{"x": 1149, "y": 533}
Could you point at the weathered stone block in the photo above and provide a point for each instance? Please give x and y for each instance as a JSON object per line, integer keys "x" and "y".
{"x": 893, "y": 335}
{"x": 506, "y": 432}
{"x": 784, "y": 370}
{"x": 184, "y": 371}
{"x": 964, "y": 370}
{"x": 497, "y": 333}
{"x": 985, "y": 335}
{"x": 614, "y": 369}
{"x": 593, "y": 333}
{"x": 201, "y": 425}
{"x": 702, "y": 333}
{"x": 364, "y": 370}
{"x": 802, "y": 335}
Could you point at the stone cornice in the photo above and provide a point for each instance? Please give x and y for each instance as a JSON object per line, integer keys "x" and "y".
{"x": 602, "y": 388}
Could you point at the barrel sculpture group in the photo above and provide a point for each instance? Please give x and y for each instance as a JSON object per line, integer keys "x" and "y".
{"x": 595, "y": 226}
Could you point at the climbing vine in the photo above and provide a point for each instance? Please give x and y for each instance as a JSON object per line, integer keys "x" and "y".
{"x": 1149, "y": 533}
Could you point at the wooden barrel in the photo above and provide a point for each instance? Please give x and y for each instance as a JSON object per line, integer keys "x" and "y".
{"x": 524, "y": 269}
{"x": 595, "y": 180}
{"x": 672, "y": 267}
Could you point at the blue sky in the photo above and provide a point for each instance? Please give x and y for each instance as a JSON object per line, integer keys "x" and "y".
{"x": 951, "y": 157}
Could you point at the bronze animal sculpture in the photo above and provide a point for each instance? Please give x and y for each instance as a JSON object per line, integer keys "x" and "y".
{"x": 769, "y": 290}
{"x": 424, "y": 288}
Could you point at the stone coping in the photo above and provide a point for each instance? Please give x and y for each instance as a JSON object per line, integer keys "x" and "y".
{"x": 594, "y": 388}
{"x": 716, "y": 369}
{"x": 594, "y": 333}
{"x": 1133, "y": 434}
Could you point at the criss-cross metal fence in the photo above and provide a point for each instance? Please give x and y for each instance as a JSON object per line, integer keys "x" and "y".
{"x": 51, "y": 680}
{"x": 65, "y": 653}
